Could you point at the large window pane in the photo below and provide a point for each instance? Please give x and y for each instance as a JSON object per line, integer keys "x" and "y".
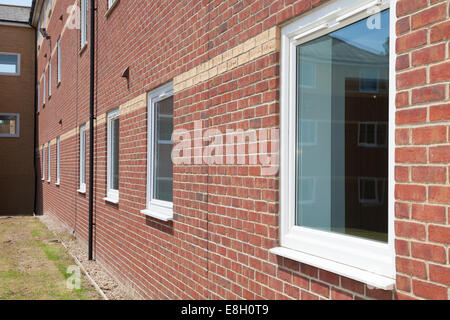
{"x": 163, "y": 167}
{"x": 49, "y": 161}
{"x": 9, "y": 63}
{"x": 115, "y": 154}
{"x": 83, "y": 156}
{"x": 342, "y": 117}
{"x": 58, "y": 159}
{"x": 9, "y": 124}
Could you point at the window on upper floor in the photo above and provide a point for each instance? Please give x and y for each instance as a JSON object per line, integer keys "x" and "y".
{"x": 113, "y": 127}
{"x": 49, "y": 162}
{"x": 9, "y": 125}
{"x": 58, "y": 161}
{"x": 159, "y": 154}
{"x": 82, "y": 171}
{"x": 58, "y": 53}
{"x": 43, "y": 162}
{"x": 83, "y": 16}
{"x": 336, "y": 95}
{"x": 9, "y": 64}
{"x": 49, "y": 78}
{"x": 372, "y": 134}
{"x": 38, "y": 102}
{"x": 43, "y": 89}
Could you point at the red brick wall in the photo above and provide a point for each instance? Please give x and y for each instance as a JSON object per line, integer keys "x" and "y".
{"x": 227, "y": 217}
{"x": 423, "y": 151}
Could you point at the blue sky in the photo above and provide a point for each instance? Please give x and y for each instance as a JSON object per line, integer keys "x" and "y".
{"x": 16, "y": 2}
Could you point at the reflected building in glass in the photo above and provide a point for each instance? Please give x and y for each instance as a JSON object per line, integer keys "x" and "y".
{"x": 342, "y": 131}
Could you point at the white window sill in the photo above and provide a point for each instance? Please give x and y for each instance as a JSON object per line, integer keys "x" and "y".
{"x": 111, "y": 200}
{"x": 157, "y": 215}
{"x": 369, "y": 278}
{"x": 82, "y": 191}
{"x": 58, "y": 184}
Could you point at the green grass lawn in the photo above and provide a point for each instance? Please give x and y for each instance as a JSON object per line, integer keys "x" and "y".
{"x": 32, "y": 268}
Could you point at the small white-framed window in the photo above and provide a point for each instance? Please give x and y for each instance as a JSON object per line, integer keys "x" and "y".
{"x": 83, "y": 22}
{"x": 371, "y": 190}
{"x": 112, "y": 179}
{"x": 159, "y": 154}
{"x": 49, "y": 162}
{"x": 43, "y": 162}
{"x": 49, "y": 78}
{"x": 9, "y": 125}
{"x": 38, "y": 98}
{"x": 341, "y": 38}
{"x": 82, "y": 171}
{"x": 367, "y": 134}
{"x": 58, "y": 161}
{"x": 372, "y": 134}
{"x": 58, "y": 71}
{"x": 9, "y": 64}
{"x": 43, "y": 89}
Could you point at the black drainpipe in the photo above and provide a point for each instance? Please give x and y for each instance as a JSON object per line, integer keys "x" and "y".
{"x": 35, "y": 129}
{"x": 91, "y": 133}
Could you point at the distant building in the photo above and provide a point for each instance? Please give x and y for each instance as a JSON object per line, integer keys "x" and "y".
{"x": 17, "y": 120}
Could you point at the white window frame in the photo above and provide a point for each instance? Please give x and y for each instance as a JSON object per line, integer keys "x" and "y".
{"x": 43, "y": 89}
{"x": 378, "y": 198}
{"x": 58, "y": 69}
{"x": 112, "y": 195}
{"x": 49, "y": 78}
{"x": 17, "y": 134}
{"x": 18, "y": 64}
{"x": 43, "y": 162}
{"x": 376, "y": 143}
{"x": 162, "y": 210}
{"x": 82, "y": 171}
{"x": 58, "y": 161}
{"x": 38, "y": 98}
{"x": 49, "y": 162}
{"x": 364, "y": 260}
{"x": 83, "y": 22}
{"x": 375, "y": 138}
